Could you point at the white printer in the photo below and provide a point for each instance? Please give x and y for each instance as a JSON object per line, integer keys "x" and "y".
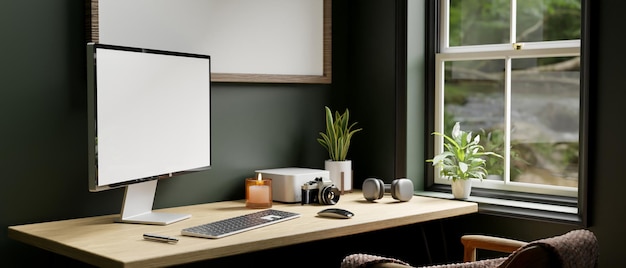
{"x": 287, "y": 182}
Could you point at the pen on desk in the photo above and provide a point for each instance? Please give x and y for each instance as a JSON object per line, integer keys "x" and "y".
{"x": 160, "y": 238}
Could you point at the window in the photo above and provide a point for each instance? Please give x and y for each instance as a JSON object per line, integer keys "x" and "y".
{"x": 511, "y": 71}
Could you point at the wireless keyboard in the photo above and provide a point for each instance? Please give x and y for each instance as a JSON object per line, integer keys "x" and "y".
{"x": 230, "y": 226}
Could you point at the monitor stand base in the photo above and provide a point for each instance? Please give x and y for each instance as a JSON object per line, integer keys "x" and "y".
{"x": 137, "y": 206}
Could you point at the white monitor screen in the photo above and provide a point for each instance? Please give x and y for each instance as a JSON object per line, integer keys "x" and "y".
{"x": 151, "y": 112}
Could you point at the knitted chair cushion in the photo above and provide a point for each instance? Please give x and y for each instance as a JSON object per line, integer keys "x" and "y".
{"x": 578, "y": 248}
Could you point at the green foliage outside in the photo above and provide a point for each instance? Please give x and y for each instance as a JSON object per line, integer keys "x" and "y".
{"x": 474, "y": 22}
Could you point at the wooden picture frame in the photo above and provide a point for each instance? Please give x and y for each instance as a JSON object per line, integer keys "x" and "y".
{"x": 323, "y": 74}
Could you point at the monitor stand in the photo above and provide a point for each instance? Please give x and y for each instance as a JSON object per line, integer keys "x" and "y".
{"x": 137, "y": 206}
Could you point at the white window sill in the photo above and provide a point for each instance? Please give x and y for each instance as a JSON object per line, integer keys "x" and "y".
{"x": 519, "y": 209}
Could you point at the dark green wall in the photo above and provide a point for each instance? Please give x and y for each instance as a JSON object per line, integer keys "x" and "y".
{"x": 43, "y": 116}
{"x": 372, "y": 93}
{"x": 44, "y": 128}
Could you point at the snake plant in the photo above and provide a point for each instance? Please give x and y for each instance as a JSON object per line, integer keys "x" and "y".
{"x": 338, "y": 134}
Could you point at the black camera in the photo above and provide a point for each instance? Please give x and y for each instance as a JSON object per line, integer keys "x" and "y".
{"x": 320, "y": 191}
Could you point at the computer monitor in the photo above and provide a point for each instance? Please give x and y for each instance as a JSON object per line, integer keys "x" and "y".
{"x": 149, "y": 119}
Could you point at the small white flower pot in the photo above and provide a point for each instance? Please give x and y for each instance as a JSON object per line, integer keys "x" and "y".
{"x": 461, "y": 189}
{"x": 336, "y": 169}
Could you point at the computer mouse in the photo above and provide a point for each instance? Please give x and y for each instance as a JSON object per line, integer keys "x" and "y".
{"x": 335, "y": 213}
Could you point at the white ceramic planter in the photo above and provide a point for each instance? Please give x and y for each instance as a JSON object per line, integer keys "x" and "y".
{"x": 335, "y": 168}
{"x": 461, "y": 189}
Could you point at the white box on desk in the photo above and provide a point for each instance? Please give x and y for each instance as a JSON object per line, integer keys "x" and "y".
{"x": 287, "y": 182}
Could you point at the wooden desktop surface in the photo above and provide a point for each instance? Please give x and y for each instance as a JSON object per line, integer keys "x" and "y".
{"x": 102, "y": 242}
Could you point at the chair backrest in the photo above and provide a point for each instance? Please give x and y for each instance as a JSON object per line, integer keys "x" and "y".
{"x": 532, "y": 256}
{"x": 575, "y": 249}
{"x": 578, "y": 248}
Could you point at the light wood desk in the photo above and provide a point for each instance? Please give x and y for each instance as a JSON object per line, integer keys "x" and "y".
{"x": 102, "y": 242}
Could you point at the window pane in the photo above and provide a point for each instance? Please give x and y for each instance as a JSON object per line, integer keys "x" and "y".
{"x": 479, "y": 22}
{"x": 474, "y": 96}
{"x": 545, "y": 109}
{"x": 548, "y": 20}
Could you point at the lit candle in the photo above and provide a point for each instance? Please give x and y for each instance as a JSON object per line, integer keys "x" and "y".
{"x": 258, "y": 192}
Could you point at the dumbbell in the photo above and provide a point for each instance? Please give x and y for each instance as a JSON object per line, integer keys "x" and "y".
{"x": 400, "y": 189}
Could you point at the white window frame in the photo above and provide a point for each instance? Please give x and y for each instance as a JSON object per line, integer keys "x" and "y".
{"x": 507, "y": 53}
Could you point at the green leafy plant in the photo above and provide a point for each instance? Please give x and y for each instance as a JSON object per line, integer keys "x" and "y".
{"x": 338, "y": 134}
{"x": 463, "y": 157}
{"x": 494, "y": 142}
